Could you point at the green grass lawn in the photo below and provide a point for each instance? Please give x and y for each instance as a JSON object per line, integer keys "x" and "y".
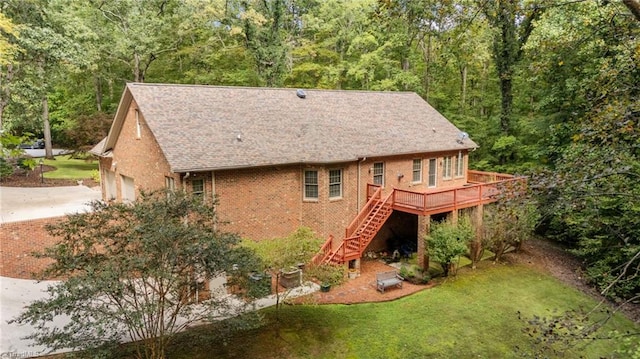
{"x": 473, "y": 315}
{"x": 69, "y": 168}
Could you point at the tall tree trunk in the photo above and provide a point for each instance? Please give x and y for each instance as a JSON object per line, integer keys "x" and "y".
{"x": 48, "y": 148}
{"x": 98, "y": 88}
{"x": 136, "y": 68}
{"x": 463, "y": 88}
{"x": 514, "y": 28}
{"x": 634, "y": 7}
{"x": 507, "y": 102}
{"x": 426, "y": 53}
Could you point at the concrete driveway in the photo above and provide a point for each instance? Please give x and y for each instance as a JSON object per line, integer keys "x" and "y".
{"x": 20, "y": 204}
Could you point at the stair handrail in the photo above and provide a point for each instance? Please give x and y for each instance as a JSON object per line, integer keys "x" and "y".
{"x": 375, "y": 211}
{"x": 332, "y": 254}
{"x": 362, "y": 215}
{"x": 325, "y": 251}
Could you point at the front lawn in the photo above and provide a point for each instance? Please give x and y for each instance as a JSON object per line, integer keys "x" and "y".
{"x": 70, "y": 168}
{"x": 473, "y": 315}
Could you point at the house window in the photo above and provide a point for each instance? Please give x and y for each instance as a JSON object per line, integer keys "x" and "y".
{"x": 138, "y": 131}
{"x": 378, "y": 173}
{"x": 197, "y": 187}
{"x": 433, "y": 172}
{"x": 446, "y": 167}
{"x": 310, "y": 184}
{"x": 335, "y": 183}
{"x": 417, "y": 171}
{"x": 460, "y": 165}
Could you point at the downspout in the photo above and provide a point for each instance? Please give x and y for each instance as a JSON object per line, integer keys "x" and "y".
{"x": 213, "y": 197}
{"x": 213, "y": 187}
{"x": 184, "y": 182}
{"x": 359, "y": 186}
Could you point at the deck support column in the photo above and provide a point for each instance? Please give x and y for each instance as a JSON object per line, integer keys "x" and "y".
{"x": 423, "y": 230}
{"x": 476, "y": 245}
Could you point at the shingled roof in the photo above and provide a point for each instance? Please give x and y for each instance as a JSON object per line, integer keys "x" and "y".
{"x": 211, "y": 127}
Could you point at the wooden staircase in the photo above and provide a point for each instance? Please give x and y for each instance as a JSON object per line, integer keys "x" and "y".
{"x": 359, "y": 233}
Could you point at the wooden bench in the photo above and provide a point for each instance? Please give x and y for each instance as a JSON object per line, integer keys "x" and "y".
{"x": 388, "y": 279}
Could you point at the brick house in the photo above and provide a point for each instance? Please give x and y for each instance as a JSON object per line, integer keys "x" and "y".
{"x": 378, "y": 164}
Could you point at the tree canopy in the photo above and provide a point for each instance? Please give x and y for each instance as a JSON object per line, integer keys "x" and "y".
{"x": 540, "y": 85}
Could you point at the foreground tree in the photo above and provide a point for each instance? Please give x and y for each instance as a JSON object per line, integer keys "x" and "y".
{"x": 130, "y": 272}
{"x": 510, "y": 221}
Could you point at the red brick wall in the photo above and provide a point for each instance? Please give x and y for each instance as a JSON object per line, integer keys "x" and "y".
{"x": 18, "y": 240}
{"x": 267, "y": 202}
{"x": 136, "y": 157}
{"x": 395, "y": 165}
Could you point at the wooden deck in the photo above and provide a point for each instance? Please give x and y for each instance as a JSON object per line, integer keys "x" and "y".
{"x": 482, "y": 188}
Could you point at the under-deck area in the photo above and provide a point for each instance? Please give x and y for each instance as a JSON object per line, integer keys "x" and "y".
{"x": 379, "y": 223}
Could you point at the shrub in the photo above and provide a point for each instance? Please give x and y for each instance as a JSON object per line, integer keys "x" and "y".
{"x": 95, "y": 175}
{"x": 447, "y": 241}
{"x": 326, "y": 273}
{"x": 6, "y": 169}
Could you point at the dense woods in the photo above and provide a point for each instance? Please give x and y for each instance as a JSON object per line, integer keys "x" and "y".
{"x": 549, "y": 88}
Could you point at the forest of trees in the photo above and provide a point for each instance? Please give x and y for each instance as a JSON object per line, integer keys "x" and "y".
{"x": 548, "y": 88}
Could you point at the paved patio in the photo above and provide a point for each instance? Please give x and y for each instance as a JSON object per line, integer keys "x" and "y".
{"x": 362, "y": 289}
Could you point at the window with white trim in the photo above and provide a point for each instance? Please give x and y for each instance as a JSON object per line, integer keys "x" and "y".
{"x": 433, "y": 172}
{"x": 378, "y": 173}
{"x": 446, "y": 167}
{"x": 197, "y": 187}
{"x": 417, "y": 171}
{"x": 138, "y": 131}
{"x": 335, "y": 183}
{"x": 460, "y": 165}
{"x": 311, "y": 184}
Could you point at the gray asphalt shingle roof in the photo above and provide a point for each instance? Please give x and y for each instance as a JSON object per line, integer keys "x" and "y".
{"x": 211, "y": 127}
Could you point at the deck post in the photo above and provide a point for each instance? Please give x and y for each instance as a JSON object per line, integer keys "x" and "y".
{"x": 423, "y": 230}
{"x": 476, "y": 245}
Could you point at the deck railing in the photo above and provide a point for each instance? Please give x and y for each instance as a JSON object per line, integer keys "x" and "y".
{"x": 325, "y": 251}
{"x": 374, "y": 194}
{"x": 482, "y": 187}
{"x": 486, "y": 177}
